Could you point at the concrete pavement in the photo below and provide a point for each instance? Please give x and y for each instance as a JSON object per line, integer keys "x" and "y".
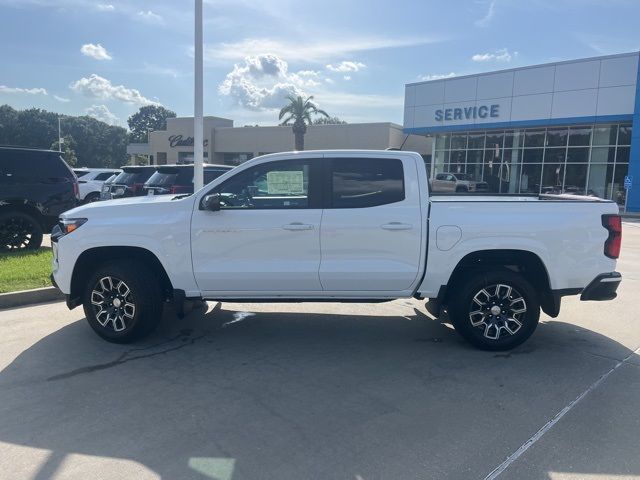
{"x": 322, "y": 391}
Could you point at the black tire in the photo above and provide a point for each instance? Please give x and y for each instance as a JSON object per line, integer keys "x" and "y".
{"x": 19, "y": 231}
{"x": 92, "y": 197}
{"x": 124, "y": 324}
{"x": 467, "y": 306}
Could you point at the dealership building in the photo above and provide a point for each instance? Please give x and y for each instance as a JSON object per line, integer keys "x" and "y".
{"x": 564, "y": 127}
{"x": 226, "y": 144}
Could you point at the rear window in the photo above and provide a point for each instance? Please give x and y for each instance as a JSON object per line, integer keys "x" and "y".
{"x": 80, "y": 173}
{"x": 167, "y": 177}
{"x": 103, "y": 176}
{"x": 366, "y": 182}
{"x": 129, "y": 176}
{"x": 33, "y": 164}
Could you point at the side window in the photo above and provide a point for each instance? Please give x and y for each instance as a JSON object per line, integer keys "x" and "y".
{"x": 103, "y": 176}
{"x": 441, "y": 176}
{"x": 274, "y": 185}
{"x": 366, "y": 182}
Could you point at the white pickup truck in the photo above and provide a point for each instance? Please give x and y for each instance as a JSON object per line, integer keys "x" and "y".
{"x": 339, "y": 226}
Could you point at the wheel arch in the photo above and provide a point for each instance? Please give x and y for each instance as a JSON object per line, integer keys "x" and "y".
{"x": 527, "y": 263}
{"x": 24, "y": 206}
{"x": 92, "y": 257}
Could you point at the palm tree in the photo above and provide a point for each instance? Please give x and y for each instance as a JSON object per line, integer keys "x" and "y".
{"x": 298, "y": 112}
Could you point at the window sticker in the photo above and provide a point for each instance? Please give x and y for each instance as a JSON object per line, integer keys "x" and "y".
{"x": 285, "y": 183}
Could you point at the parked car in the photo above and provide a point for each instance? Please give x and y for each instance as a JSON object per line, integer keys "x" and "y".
{"x": 457, "y": 182}
{"x": 172, "y": 179}
{"x": 36, "y": 186}
{"x": 130, "y": 182}
{"x": 105, "y": 193}
{"x": 90, "y": 181}
{"x": 338, "y": 226}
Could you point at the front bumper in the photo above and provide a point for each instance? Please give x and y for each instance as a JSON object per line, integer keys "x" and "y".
{"x": 603, "y": 287}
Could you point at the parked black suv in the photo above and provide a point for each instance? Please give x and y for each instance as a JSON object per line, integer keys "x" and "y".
{"x": 35, "y": 187}
{"x": 129, "y": 183}
{"x": 172, "y": 179}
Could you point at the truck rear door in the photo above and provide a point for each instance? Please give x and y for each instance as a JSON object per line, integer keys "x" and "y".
{"x": 371, "y": 232}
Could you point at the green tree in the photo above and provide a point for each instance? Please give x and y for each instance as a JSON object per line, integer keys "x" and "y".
{"x": 328, "y": 121}
{"x": 149, "y": 117}
{"x": 68, "y": 150}
{"x": 95, "y": 143}
{"x": 298, "y": 113}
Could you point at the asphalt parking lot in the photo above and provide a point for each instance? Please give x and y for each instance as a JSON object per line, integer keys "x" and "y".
{"x": 323, "y": 391}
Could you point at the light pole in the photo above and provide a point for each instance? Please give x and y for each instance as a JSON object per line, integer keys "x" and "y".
{"x": 198, "y": 147}
{"x": 59, "y": 136}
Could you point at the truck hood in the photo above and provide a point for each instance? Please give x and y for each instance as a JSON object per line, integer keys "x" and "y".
{"x": 107, "y": 207}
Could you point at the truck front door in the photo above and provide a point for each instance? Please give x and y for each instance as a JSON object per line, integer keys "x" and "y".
{"x": 266, "y": 237}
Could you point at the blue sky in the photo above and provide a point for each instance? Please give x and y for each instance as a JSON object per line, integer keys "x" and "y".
{"x": 106, "y": 58}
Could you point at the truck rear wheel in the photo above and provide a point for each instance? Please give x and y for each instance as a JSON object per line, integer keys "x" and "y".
{"x": 123, "y": 301}
{"x": 495, "y": 310}
{"x": 19, "y": 231}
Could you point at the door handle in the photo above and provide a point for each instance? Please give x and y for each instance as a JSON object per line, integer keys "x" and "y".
{"x": 296, "y": 226}
{"x": 396, "y": 226}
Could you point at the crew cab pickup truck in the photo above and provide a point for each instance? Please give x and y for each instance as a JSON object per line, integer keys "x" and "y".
{"x": 342, "y": 226}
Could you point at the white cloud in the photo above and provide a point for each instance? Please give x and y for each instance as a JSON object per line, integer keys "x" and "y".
{"x": 436, "y": 76}
{"x": 61, "y": 99}
{"x": 102, "y": 113}
{"x": 95, "y": 51}
{"x": 347, "y": 77}
{"x": 96, "y": 86}
{"x": 262, "y": 82}
{"x": 501, "y": 55}
{"x": 28, "y": 91}
{"x": 318, "y": 52}
{"x": 150, "y": 17}
{"x": 105, "y": 7}
{"x": 329, "y": 81}
{"x": 484, "y": 21}
{"x": 346, "y": 67}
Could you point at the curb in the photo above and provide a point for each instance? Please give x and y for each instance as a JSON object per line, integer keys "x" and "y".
{"x": 28, "y": 297}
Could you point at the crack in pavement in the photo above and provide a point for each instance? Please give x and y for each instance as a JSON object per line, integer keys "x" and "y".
{"x": 122, "y": 359}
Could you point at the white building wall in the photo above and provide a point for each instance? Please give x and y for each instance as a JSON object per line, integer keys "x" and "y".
{"x": 564, "y": 90}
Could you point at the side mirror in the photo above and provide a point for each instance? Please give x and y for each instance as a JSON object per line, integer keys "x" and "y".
{"x": 211, "y": 202}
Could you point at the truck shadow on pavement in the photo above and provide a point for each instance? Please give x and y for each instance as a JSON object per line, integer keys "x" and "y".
{"x": 239, "y": 394}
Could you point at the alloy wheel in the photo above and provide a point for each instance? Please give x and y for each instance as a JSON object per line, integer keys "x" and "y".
{"x": 498, "y": 310}
{"x": 15, "y": 233}
{"x": 113, "y": 303}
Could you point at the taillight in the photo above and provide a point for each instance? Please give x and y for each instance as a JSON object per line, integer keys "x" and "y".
{"x": 613, "y": 224}
{"x": 76, "y": 190}
{"x": 179, "y": 189}
{"x": 137, "y": 188}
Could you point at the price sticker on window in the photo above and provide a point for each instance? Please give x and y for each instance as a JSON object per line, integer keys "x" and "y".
{"x": 285, "y": 182}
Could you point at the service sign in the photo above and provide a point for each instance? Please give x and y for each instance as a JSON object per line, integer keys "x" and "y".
{"x": 467, "y": 113}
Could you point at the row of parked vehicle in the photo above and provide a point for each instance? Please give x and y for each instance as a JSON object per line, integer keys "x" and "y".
{"x": 36, "y": 186}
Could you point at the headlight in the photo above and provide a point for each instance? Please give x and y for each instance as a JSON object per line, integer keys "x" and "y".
{"x": 119, "y": 191}
{"x": 68, "y": 225}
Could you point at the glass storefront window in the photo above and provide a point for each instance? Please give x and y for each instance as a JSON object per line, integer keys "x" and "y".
{"x": 557, "y": 137}
{"x": 603, "y": 154}
{"x": 458, "y": 140}
{"x": 552, "y": 178}
{"x": 494, "y": 140}
{"x": 605, "y": 135}
{"x": 534, "y": 138}
{"x": 600, "y": 176}
{"x": 624, "y": 135}
{"x": 555, "y": 155}
{"x": 618, "y": 191}
{"x": 476, "y": 140}
{"x": 591, "y": 160}
{"x": 579, "y": 136}
{"x": 442, "y": 141}
{"x": 530, "y": 178}
{"x": 578, "y": 155}
{"x": 575, "y": 179}
{"x": 533, "y": 155}
{"x": 623, "y": 155}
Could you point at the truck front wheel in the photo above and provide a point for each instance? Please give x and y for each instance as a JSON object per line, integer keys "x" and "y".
{"x": 123, "y": 301}
{"x": 495, "y": 310}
